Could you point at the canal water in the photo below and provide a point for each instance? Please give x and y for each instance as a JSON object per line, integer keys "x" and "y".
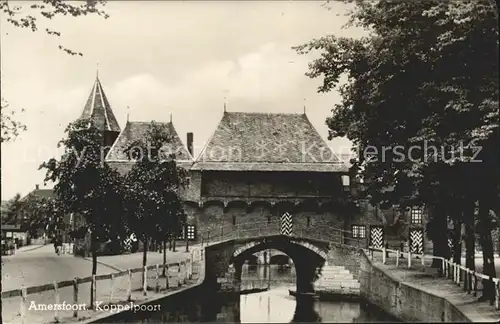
{"x": 272, "y": 306}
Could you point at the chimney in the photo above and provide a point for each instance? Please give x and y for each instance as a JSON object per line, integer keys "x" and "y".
{"x": 190, "y": 143}
{"x": 37, "y": 187}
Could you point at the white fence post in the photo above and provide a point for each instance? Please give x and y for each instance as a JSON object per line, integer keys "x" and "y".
{"x": 112, "y": 287}
{"x": 58, "y": 302}
{"x": 129, "y": 289}
{"x": 383, "y": 255}
{"x": 22, "y": 306}
{"x": 179, "y": 281}
{"x": 397, "y": 258}
{"x": 145, "y": 280}
{"x": 409, "y": 259}
{"x": 167, "y": 285}
{"x": 75, "y": 297}
{"x": 157, "y": 278}
{"x": 94, "y": 290}
{"x": 184, "y": 267}
{"x": 497, "y": 295}
{"x": 423, "y": 258}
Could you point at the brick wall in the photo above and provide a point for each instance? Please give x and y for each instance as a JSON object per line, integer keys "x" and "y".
{"x": 269, "y": 184}
{"x": 212, "y": 215}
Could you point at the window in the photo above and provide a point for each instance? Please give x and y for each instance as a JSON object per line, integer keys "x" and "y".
{"x": 188, "y": 181}
{"x": 416, "y": 215}
{"x": 191, "y": 229}
{"x": 191, "y": 233}
{"x": 358, "y": 231}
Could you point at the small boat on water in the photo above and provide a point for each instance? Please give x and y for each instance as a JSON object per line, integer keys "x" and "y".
{"x": 326, "y": 295}
{"x": 296, "y": 294}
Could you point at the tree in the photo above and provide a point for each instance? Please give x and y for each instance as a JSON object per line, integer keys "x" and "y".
{"x": 14, "y": 207}
{"x": 418, "y": 81}
{"x": 87, "y": 186}
{"x": 152, "y": 186}
{"x": 10, "y": 126}
{"x": 28, "y": 16}
{"x": 42, "y": 213}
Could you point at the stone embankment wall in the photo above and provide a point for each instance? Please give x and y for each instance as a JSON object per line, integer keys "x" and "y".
{"x": 401, "y": 300}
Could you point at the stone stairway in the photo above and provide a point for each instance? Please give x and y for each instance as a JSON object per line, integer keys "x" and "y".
{"x": 337, "y": 279}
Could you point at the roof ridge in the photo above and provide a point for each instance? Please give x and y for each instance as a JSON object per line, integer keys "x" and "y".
{"x": 137, "y": 130}
{"x": 175, "y": 134}
{"x": 322, "y": 139}
{"x": 210, "y": 138}
{"x": 149, "y": 122}
{"x": 265, "y": 113}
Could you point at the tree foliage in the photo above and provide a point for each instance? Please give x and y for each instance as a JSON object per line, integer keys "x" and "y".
{"x": 420, "y": 105}
{"x": 28, "y": 16}
{"x": 10, "y": 126}
{"x": 84, "y": 184}
{"x": 152, "y": 187}
{"x": 43, "y": 213}
{"x": 13, "y": 209}
{"x": 419, "y": 78}
{"x": 31, "y": 16}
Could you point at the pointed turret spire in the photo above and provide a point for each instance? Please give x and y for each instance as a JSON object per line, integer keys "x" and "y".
{"x": 99, "y": 110}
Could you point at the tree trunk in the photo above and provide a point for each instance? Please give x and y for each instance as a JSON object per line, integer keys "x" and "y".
{"x": 173, "y": 244}
{"x": 170, "y": 244}
{"x": 470, "y": 238}
{"x": 484, "y": 229}
{"x": 164, "y": 257}
{"x": 457, "y": 240}
{"x": 93, "y": 249}
{"x": 186, "y": 237}
{"x": 440, "y": 239}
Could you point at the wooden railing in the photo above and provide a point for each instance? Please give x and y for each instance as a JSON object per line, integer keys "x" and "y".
{"x": 330, "y": 234}
{"x": 184, "y": 273}
{"x": 458, "y": 273}
{"x": 218, "y": 234}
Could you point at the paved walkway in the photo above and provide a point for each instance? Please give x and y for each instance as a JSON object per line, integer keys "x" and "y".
{"x": 33, "y": 267}
{"x": 439, "y": 286}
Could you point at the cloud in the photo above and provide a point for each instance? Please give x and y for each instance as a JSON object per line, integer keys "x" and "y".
{"x": 261, "y": 81}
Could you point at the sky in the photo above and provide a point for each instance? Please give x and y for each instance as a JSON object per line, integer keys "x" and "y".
{"x": 163, "y": 58}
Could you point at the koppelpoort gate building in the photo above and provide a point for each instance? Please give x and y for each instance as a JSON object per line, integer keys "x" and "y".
{"x": 259, "y": 167}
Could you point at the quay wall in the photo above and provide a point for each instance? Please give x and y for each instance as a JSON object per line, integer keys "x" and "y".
{"x": 403, "y": 300}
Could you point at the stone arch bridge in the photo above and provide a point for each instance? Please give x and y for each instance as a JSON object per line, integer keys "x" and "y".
{"x": 309, "y": 251}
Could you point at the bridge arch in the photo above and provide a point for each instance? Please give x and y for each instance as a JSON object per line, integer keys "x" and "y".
{"x": 308, "y": 257}
{"x": 260, "y": 245}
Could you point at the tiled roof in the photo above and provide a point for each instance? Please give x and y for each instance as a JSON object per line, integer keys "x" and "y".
{"x": 135, "y": 131}
{"x": 267, "y": 142}
{"x": 263, "y": 166}
{"x": 99, "y": 110}
{"x": 42, "y": 193}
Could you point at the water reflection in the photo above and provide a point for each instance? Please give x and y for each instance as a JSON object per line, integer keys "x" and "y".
{"x": 273, "y": 306}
